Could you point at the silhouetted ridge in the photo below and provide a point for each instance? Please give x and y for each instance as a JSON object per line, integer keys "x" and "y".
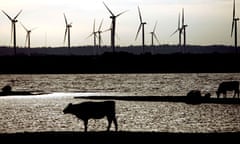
{"x": 121, "y": 62}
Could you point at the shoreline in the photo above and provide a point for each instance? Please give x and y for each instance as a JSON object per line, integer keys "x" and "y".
{"x": 117, "y": 97}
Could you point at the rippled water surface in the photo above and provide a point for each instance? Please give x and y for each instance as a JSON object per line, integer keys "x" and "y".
{"x": 44, "y": 112}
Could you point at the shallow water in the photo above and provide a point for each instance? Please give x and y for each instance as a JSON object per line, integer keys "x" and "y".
{"x": 44, "y": 113}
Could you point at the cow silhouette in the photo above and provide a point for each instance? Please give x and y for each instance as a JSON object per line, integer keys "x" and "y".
{"x": 228, "y": 86}
{"x": 93, "y": 110}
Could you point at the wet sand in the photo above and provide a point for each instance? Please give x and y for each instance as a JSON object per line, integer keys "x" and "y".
{"x": 140, "y": 118}
{"x": 44, "y": 113}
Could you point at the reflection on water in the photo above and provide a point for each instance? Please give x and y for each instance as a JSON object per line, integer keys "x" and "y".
{"x": 44, "y": 112}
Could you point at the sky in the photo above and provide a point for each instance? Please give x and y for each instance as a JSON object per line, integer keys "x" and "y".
{"x": 209, "y": 22}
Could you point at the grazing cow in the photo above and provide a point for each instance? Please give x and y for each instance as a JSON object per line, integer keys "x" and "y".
{"x": 94, "y": 110}
{"x": 194, "y": 97}
{"x": 228, "y": 86}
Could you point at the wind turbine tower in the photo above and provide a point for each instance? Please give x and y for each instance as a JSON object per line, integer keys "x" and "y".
{"x": 113, "y": 29}
{"x": 13, "y": 29}
{"x": 141, "y": 26}
{"x": 234, "y": 25}
{"x": 184, "y": 31}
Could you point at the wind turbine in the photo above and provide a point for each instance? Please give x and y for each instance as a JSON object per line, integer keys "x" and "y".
{"x": 184, "y": 31}
{"x": 99, "y": 32}
{"x": 28, "y": 36}
{"x": 234, "y": 25}
{"x": 94, "y": 34}
{"x": 179, "y": 29}
{"x": 67, "y": 31}
{"x": 113, "y": 29}
{"x": 141, "y": 26}
{"x": 153, "y": 35}
{"x": 13, "y": 29}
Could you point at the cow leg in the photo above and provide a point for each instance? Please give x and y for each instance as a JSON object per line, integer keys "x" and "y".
{"x": 238, "y": 93}
{"x": 115, "y": 123}
{"x": 109, "y": 123}
{"x": 85, "y": 125}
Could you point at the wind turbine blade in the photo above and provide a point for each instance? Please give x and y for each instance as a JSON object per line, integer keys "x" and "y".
{"x": 179, "y": 21}
{"x": 138, "y": 31}
{"x": 233, "y": 17}
{"x": 140, "y": 16}
{"x": 65, "y": 35}
{"x": 232, "y": 28}
{"x": 108, "y": 9}
{"x": 24, "y": 27}
{"x": 65, "y": 19}
{"x": 18, "y": 14}
{"x": 107, "y": 30}
{"x": 7, "y": 15}
{"x": 90, "y": 35}
{"x": 100, "y": 26}
{"x": 155, "y": 27}
{"x": 33, "y": 29}
{"x": 155, "y": 36}
{"x": 26, "y": 40}
{"x": 121, "y": 13}
{"x": 233, "y": 9}
{"x": 117, "y": 36}
{"x": 182, "y": 17}
{"x": 94, "y": 26}
{"x": 102, "y": 42}
{"x": 174, "y": 32}
{"x": 95, "y": 36}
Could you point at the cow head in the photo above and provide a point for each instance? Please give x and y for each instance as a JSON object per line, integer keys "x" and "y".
{"x": 68, "y": 108}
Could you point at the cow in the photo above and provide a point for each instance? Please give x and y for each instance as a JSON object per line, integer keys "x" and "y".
{"x": 93, "y": 110}
{"x": 228, "y": 86}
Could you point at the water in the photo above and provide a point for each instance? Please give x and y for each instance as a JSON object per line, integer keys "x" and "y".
{"x": 44, "y": 112}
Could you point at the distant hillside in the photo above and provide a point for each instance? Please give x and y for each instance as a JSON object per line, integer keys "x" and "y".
{"x": 89, "y": 50}
{"x": 121, "y": 62}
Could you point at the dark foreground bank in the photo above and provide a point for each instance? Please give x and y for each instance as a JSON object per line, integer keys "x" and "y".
{"x": 120, "y": 137}
{"x": 121, "y": 63}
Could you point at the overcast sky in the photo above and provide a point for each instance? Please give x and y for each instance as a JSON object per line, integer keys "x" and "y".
{"x": 209, "y": 20}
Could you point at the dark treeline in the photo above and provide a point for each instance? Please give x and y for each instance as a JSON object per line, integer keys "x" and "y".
{"x": 121, "y": 62}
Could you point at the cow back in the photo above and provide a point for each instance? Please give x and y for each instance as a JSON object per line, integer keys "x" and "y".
{"x": 228, "y": 86}
{"x": 96, "y": 110}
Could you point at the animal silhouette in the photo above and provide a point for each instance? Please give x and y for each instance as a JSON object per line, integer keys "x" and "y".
{"x": 228, "y": 86}
{"x": 94, "y": 110}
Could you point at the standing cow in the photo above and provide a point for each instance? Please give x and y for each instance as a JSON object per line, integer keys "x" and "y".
{"x": 94, "y": 110}
{"x": 228, "y": 86}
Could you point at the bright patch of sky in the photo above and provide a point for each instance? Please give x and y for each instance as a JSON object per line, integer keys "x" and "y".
{"x": 209, "y": 21}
